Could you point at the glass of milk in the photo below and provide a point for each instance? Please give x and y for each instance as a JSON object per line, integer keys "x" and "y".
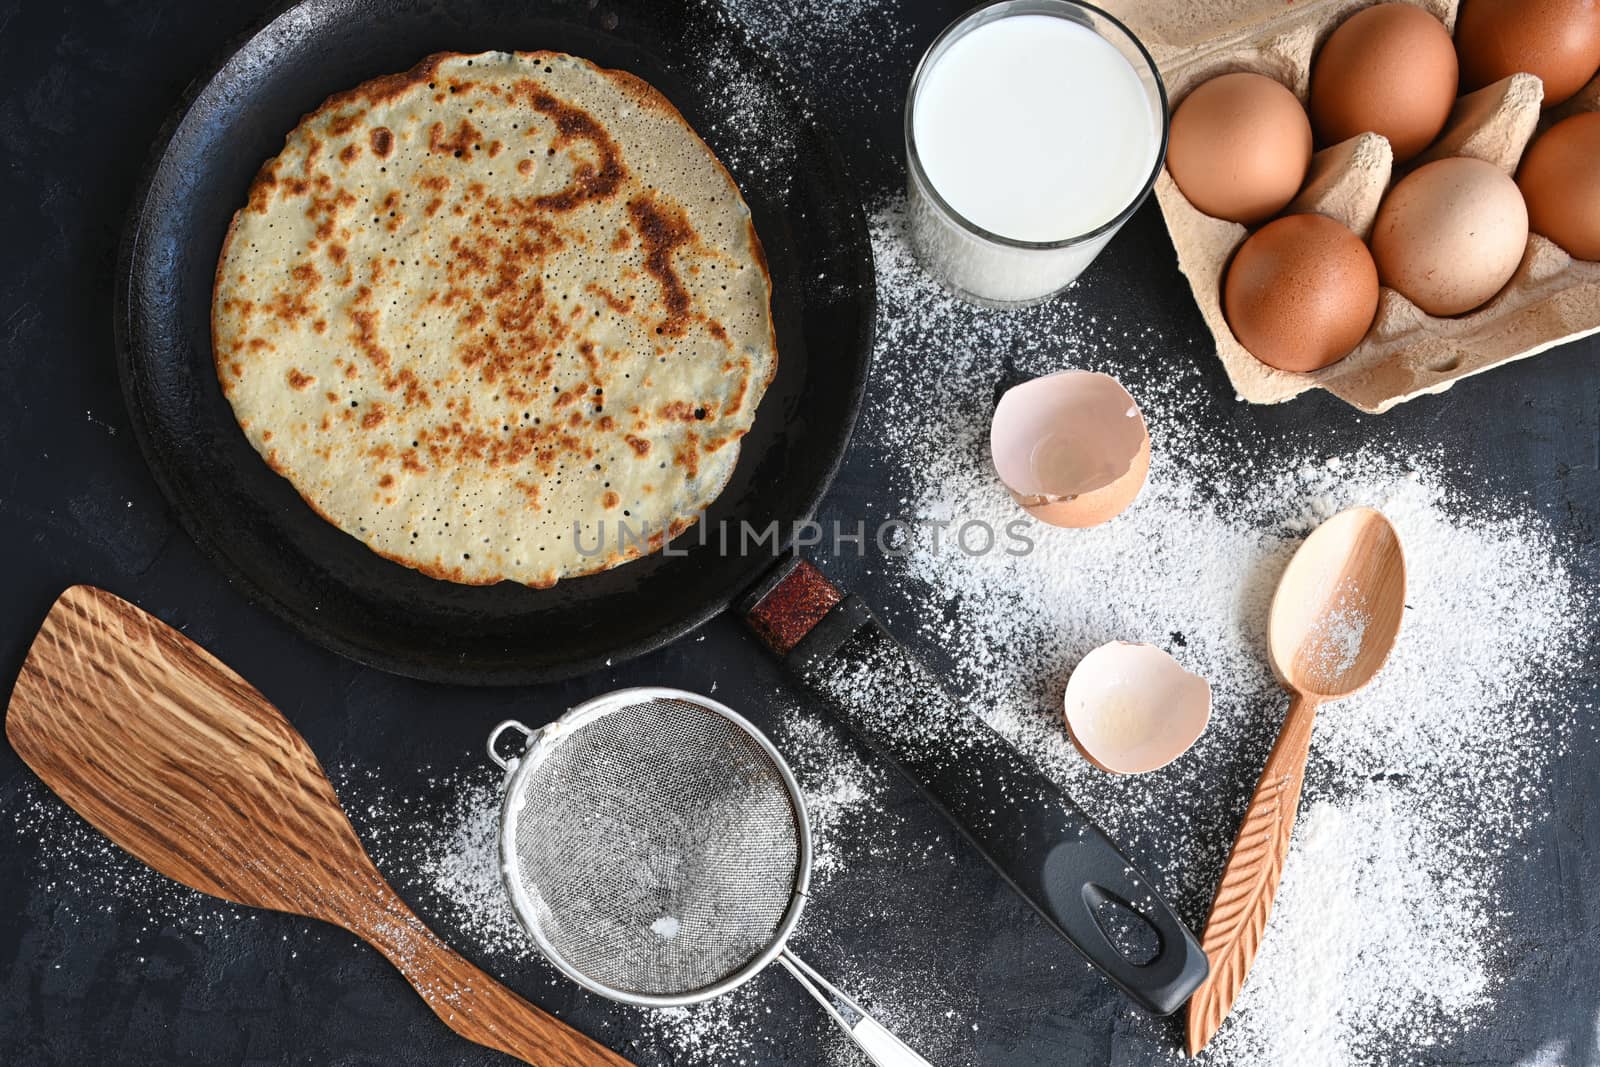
{"x": 1034, "y": 128}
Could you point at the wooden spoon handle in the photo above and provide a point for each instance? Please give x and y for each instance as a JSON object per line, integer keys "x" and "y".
{"x": 466, "y": 999}
{"x": 1250, "y": 880}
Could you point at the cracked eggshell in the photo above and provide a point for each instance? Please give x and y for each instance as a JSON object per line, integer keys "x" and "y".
{"x": 1072, "y": 448}
{"x": 1132, "y": 708}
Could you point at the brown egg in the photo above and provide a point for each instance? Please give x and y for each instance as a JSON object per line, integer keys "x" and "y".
{"x": 1450, "y": 235}
{"x": 1389, "y": 69}
{"x": 1560, "y": 179}
{"x": 1301, "y": 292}
{"x": 1240, "y": 146}
{"x": 1559, "y": 40}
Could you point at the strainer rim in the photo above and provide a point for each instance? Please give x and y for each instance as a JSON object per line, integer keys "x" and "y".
{"x": 544, "y": 741}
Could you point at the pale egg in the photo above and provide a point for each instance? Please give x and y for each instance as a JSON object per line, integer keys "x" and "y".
{"x": 1072, "y": 448}
{"x": 1132, "y": 708}
{"x": 1450, "y": 235}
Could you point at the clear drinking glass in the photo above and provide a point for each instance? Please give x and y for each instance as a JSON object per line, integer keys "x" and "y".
{"x": 989, "y": 268}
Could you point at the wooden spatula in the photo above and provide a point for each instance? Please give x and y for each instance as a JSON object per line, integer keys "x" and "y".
{"x": 179, "y": 761}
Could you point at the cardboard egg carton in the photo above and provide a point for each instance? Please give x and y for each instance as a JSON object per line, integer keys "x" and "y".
{"x": 1551, "y": 299}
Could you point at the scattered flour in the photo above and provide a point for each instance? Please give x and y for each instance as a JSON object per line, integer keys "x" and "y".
{"x": 1386, "y": 932}
{"x": 1384, "y": 935}
{"x": 1387, "y": 935}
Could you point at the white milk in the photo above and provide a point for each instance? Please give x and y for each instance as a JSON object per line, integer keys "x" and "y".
{"x": 1036, "y": 129}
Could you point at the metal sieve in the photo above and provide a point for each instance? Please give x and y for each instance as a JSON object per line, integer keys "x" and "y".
{"x": 655, "y": 847}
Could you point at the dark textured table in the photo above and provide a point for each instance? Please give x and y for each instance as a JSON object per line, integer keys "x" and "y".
{"x": 97, "y": 976}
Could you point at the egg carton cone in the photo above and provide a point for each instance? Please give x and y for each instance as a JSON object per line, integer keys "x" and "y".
{"x": 1551, "y": 299}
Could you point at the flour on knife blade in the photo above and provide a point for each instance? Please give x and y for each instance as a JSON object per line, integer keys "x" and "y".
{"x": 473, "y": 306}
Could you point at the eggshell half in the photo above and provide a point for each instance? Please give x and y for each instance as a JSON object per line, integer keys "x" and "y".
{"x": 1072, "y": 448}
{"x": 1132, "y": 708}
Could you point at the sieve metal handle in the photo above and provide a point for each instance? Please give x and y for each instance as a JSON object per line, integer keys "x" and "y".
{"x": 870, "y": 1036}
{"x": 494, "y": 739}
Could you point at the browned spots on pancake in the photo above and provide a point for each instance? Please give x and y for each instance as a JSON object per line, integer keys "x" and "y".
{"x": 259, "y": 344}
{"x": 387, "y": 87}
{"x": 373, "y": 417}
{"x": 437, "y": 183}
{"x": 610, "y": 500}
{"x": 433, "y": 206}
{"x": 738, "y": 397}
{"x": 366, "y": 337}
{"x": 262, "y": 188}
{"x": 612, "y": 300}
{"x": 683, "y": 411}
{"x": 590, "y": 180}
{"x": 300, "y": 380}
{"x": 664, "y": 228}
{"x": 407, "y": 383}
{"x": 531, "y": 491}
{"x": 289, "y": 307}
{"x": 320, "y": 326}
{"x": 524, "y": 167}
{"x": 337, "y": 253}
{"x": 640, "y": 446}
{"x": 386, "y": 481}
{"x": 688, "y": 457}
{"x": 349, "y": 153}
{"x": 496, "y": 147}
{"x": 622, "y": 241}
{"x": 313, "y": 150}
{"x": 325, "y": 211}
{"x": 382, "y": 141}
{"x": 460, "y": 144}
{"x": 714, "y": 328}
{"x": 340, "y": 125}
{"x": 237, "y": 368}
{"x": 410, "y": 462}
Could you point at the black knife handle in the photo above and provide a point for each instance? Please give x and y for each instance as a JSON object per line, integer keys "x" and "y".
{"x": 1043, "y": 844}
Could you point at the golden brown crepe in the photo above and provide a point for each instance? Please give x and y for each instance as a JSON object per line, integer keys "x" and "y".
{"x": 472, "y": 308}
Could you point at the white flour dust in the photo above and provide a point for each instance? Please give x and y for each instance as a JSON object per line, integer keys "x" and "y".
{"x": 1385, "y": 932}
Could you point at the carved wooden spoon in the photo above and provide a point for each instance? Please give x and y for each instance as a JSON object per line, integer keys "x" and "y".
{"x": 179, "y": 761}
{"x": 1334, "y": 619}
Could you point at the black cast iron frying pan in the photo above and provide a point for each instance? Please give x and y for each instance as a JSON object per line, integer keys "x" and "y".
{"x": 337, "y": 593}
{"x": 325, "y": 583}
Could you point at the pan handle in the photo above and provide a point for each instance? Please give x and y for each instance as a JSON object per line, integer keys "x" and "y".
{"x": 1041, "y": 842}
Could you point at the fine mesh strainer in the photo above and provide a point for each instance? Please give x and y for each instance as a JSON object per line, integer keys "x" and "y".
{"x": 655, "y": 847}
